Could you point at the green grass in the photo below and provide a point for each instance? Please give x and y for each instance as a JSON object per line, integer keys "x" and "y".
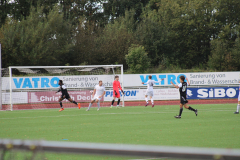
{"x": 215, "y": 126}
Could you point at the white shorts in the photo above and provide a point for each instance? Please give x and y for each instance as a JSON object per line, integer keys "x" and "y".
{"x": 149, "y": 93}
{"x": 239, "y": 97}
{"x": 96, "y": 97}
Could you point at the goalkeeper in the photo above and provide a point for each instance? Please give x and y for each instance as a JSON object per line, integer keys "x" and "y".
{"x": 116, "y": 93}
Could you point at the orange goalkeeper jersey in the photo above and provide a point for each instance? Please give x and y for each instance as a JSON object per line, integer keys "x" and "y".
{"x": 116, "y": 85}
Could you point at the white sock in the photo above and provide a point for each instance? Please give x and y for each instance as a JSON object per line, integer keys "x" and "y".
{"x": 90, "y": 105}
{"x": 238, "y": 106}
{"x": 152, "y": 101}
{"x": 146, "y": 100}
{"x": 98, "y": 104}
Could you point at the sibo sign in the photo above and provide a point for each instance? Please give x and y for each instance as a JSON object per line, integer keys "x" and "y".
{"x": 212, "y": 93}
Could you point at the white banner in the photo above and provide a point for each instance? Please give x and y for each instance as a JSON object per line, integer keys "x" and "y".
{"x": 17, "y": 98}
{"x": 139, "y": 94}
{"x": 198, "y": 78}
{"x": 130, "y": 80}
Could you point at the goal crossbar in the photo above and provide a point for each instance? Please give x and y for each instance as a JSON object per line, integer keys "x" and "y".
{"x": 120, "y": 149}
{"x": 66, "y": 66}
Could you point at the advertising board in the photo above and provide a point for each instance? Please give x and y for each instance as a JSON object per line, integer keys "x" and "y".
{"x": 130, "y": 95}
{"x": 130, "y": 80}
{"x": 139, "y": 94}
{"x": 52, "y": 97}
{"x": 213, "y": 93}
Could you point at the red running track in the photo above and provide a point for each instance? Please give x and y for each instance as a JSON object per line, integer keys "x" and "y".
{"x": 133, "y": 103}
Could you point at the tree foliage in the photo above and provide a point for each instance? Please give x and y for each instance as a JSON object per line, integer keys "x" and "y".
{"x": 226, "y": 52}
{"x": 38, "y": 40}
{"x": 137, "y": 59}
{"x": 116, "y": 8}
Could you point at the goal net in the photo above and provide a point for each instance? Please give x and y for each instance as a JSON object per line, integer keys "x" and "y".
{"x": 34, "y": 87}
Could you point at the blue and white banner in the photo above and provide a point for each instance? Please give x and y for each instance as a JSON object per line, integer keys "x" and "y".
{"x": 51, "y": 82}
{"x": 213, "y": 93}
{"x": 195, "y": 79}
{"x": 130, "y": 80}
{"x": 173, "y": 94}
{"x": 139, "y": 94}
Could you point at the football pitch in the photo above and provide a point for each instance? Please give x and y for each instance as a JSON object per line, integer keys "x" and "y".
{"x": 215, "y": 126}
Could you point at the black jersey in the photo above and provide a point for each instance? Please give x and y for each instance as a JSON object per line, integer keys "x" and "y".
{"x": 183, "y": 89}
{"x": 64, "y": 91}
{"x": 183, "y": 93}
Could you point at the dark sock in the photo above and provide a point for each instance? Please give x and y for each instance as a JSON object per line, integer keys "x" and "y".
{"x": 74, "y": 102}
{"x": 60, "y": 104}
{"x": 113, "y": 102}
{"x": 180, "y": 112}
{"x": 190, "y": 108}
{"x": 118, "y": 101}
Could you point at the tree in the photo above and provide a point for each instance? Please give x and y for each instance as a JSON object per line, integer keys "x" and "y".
{"x": 117, "y": 8}
{"x": 137, "y": 59}
{"x": 236, "y": 55}
{"x": 154, "y": 37}
{"x": 225, "y": 53}
{"x": 113, "y": 42}
{"x": 180, "y": 32}
{"x": 107, "y": 45}
{"x": 38, "y": 40}
{"x": 85, "y": 48}
{"x": 5, "y": 9}
{"x": 219, "y": 52}
{"x": 190, "y": 27}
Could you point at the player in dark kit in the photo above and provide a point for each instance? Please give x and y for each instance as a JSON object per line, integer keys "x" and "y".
{"x": 65, "y": 94}
{"x": 183, "y": 96}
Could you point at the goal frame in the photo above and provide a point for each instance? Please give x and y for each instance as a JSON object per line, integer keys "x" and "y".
{"x": 83, "y": 66}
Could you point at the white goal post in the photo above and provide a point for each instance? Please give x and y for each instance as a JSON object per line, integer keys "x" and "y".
{"x": 30, "y": 81}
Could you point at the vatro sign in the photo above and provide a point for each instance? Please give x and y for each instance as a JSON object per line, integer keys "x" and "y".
{"x": 201, "y": 78}
{"x": 48, "y": 82}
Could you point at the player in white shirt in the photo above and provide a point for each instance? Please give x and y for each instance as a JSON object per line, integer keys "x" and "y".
{"x": 149, "y": 91}
{"x": 238, "y": 106}
{"x": 98, "y": 93}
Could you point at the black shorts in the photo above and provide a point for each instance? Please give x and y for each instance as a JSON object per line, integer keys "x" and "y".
{"x": 183, "y": 100}
{"x": 66, "y": 96}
